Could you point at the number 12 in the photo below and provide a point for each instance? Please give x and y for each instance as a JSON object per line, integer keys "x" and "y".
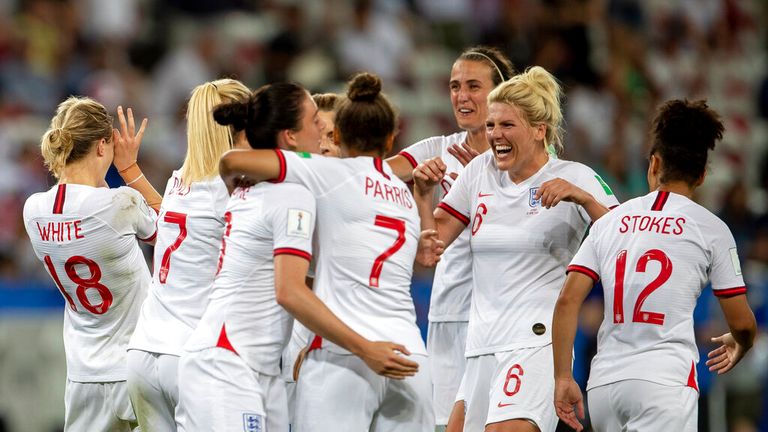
{"x": 639, "y": 315}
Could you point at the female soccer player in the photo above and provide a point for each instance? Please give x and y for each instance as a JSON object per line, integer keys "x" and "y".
{"x": 229, "y": 375}
{"x": 326, "y": 104}
{"x": 474, "y": 74}
{"x": 527, "y": 214}
{"x": 189, "y": 230}
{"x": 367, "y": 236}
{"x": 86, "y": 235}
{"x": 654, "y": 254}
{"x": 297, "y": 347}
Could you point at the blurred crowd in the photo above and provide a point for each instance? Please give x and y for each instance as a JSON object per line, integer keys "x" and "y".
{"x": 618, "y": 59}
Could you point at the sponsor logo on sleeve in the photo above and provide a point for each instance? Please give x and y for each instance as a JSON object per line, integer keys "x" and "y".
{"x": 305, "y": 155}
{"x": 252, "y": 422}
{"x": 735, "y": 261}
{"x": 299, "y": 222}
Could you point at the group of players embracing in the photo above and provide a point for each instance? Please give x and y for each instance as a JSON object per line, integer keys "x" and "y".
{"x": 284, "y": 209}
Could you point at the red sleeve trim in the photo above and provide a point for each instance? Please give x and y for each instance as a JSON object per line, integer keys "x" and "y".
{"x": 411, "y": 159}
{"x": 453, "y": 212}
{"x": 730, "y": 292}
{"x": 150, "y": 238}
{"x": 293, "y": 251}
{"x": 583, "y": 270}
{"x": 281, "y": 159}
{"x": 613, "y": 207}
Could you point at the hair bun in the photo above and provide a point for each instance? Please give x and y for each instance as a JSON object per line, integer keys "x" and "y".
{"x": 233, "y": 114}
{"x": 364, "y": 87}
{"x": 59, "y": 137}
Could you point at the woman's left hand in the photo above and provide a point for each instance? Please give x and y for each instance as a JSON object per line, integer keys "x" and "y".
{"x": 127, "y": 140}
{"x": 553, "y": 191}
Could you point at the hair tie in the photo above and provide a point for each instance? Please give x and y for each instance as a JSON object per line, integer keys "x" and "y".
{"x": 501, "y": 75}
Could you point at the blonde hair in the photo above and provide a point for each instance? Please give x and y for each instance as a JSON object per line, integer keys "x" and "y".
{"x": 79, "y": 123}
{"x": 326, "y": 101}
{"x": 206, "y": 139}
{"x": 537, "y": 94}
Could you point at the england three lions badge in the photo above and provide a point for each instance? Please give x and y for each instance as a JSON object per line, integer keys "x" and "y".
{"x": 533, "y": 203}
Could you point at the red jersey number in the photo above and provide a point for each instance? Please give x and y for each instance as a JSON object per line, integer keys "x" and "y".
{"x": 227, "y": 230}
{"x": 512, "y": 376}
{"x": 83, "y": 284}
{"x": 638, "y": 314}
{"x": 397, "y": 225}
{"x": 179, "y": 219}
{"x": 479, "y": 213}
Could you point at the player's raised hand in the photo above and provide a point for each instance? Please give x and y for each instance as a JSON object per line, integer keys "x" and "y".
{"x": 726, "y": 356}
{"x": 568, "y": 395}
{"x": 464, "y": 152}
{"x": 430, "y": 248}
{"x": 386, "y": 359}
{"x": 427, "y": 175}
{"x": 127, "y": 140}
{"x": 553, "y": 191}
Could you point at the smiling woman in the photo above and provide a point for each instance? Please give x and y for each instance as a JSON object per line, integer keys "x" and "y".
{"x": 528, "y": 213}
{"x": 474, "y": 74}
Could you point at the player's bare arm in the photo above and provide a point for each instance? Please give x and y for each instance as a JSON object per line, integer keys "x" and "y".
{"x": 384, "y": 358}
{"x": 248, "y": 165}
{"x": 401, "y": 167}
{"x": 734, "y": 345}
{"x": 564, "y": 323}
{"x": 426, "y": 176}
{"x": 556, "y": 190}
{"x": 127, "y": 143}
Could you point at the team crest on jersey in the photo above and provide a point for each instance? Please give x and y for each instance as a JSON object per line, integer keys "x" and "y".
{"x": 299, "y": 222}
{"x": 532, "y": 201}
{"x": 252, "y": 422}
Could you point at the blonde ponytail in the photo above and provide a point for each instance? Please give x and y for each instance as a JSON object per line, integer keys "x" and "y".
{"x": 206, "y": 139}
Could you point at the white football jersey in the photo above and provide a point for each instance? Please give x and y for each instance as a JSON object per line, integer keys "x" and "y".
{"x": 654, "y": 255}
{"x": 243, "y": 314}
{"x": 189, "y": 230}
{"x": 452, "y": 285}
{"x": 520, "y": 250}
{"x": 86, "y": 237}
{"x": 368, "y": 230}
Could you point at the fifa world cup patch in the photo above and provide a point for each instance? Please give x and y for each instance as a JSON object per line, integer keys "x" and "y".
{"x": 532, "y": 201}
{"x": 253, "y": 422}
{"x": 299, "y": 222}
{"x": 735, "y": 261}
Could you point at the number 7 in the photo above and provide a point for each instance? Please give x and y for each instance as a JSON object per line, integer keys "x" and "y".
{"x": 393, "y": 224}
{"x": 179, "y": 219}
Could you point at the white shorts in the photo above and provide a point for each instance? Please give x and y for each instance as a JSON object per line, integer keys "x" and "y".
{"x": 219, "y": 392}
{"x": 153, "y": 387}
{"x": 517, "y": 384}
{"x": 97, "y": 407}
{"x": 338, "y": 392}
{"x": 445, "y": 344}
{"x": 637, "y": 405}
